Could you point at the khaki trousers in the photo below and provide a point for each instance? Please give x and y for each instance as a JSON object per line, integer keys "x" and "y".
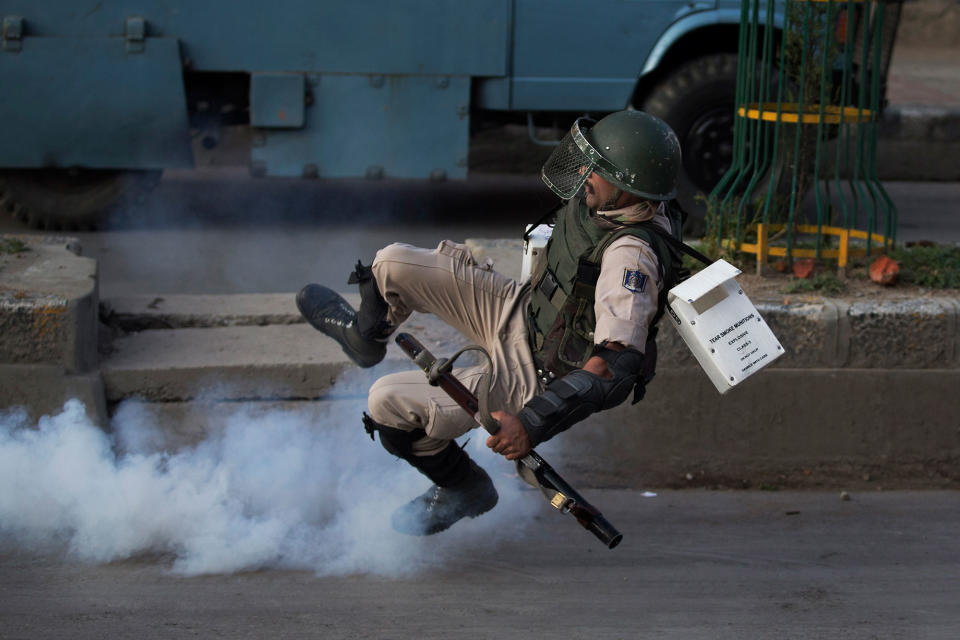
{"x": 488, "y": 308}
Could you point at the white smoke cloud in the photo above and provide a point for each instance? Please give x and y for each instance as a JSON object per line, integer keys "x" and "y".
{"x": 265, "y": 487}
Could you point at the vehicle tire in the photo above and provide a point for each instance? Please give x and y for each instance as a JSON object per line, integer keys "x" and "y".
{"x": 697, "y": 101}
{"x": 71, "y": 199}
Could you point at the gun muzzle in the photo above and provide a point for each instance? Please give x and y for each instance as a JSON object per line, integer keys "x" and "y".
{"x": 606, "y": 532}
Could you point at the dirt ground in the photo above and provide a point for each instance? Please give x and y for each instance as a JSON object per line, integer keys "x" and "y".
{"x": 774, "y": 286}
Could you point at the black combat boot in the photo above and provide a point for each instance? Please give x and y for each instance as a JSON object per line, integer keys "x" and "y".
{"x": 362, "y": 336}
{"x": 461, "y": 489}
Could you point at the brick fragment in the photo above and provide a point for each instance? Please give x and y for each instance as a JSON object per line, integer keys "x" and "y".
{"x": 803, "y": 268}
{"x": 884, "y": 270}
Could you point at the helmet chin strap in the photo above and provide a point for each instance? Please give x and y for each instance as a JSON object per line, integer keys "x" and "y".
{"x": 611, "y": 202}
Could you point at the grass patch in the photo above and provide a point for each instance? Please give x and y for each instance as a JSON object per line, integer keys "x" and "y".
{"x": 12, "y": 246}
{"x": 936, "y": 267}
{"x": 822, "y": 282}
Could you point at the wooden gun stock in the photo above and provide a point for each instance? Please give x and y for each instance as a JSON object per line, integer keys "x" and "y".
{"x": 446, "y": 381}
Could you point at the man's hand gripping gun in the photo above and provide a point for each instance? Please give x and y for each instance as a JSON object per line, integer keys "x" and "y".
{"x": 565, "y": 498}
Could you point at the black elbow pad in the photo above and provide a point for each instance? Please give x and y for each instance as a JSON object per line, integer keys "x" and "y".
{"x": 575, "y": 396}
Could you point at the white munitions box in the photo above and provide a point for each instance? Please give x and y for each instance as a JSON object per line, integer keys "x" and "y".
{"x": 534, "y": 249}
{"x": 720, "y": 325}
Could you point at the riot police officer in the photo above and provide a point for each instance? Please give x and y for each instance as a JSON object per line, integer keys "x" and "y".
{"x": 578, "y": 337}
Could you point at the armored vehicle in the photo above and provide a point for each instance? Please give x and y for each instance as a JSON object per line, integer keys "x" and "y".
{"x": 100, "y": 96}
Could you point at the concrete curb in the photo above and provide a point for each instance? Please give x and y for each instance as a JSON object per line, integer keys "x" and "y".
{"x": 49, "y": 319}
{"x": 42, "y": 390}
{"x": 911, "y": 334}
{"x": 799, "y": 427}
{"x": 49, "y": 304}
{"x": 785, "y": 428}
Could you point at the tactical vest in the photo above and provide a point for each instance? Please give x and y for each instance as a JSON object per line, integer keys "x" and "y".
{"x": 562, "y": 318}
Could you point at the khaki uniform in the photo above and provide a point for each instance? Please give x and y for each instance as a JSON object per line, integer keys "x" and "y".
{"x": 624, "y": 312}
{"x": 489, "y": 309}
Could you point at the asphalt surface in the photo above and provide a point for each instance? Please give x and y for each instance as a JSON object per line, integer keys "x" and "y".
{"x": 695, "y": 564}
{"x": 220, "y": 231}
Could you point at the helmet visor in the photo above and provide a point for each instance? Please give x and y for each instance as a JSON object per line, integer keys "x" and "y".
{"x": 570, "y": 164}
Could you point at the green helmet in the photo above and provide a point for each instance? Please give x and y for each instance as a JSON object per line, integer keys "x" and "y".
{"x": 633, "y": 150}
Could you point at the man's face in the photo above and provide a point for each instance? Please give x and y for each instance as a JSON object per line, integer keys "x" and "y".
{"x": 598, "y": 192}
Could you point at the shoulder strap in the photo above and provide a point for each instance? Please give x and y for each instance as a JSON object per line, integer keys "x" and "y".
{"x": 683, "y": 247}
{"x": 679, "y": 245}
{"x": 589, "y": 267}
{"x": 588, "y": 271}
{"x": 613, "y": 234}
{"x": 550, "y": 213}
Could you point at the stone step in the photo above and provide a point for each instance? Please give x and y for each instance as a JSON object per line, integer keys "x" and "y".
{"x": 181, "y": 311}
{"x": 244, "y": 361}
{"x": 277, "y": 361}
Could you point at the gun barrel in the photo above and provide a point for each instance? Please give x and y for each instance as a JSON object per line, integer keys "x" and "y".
{"x": 586, "y": 514}
{"x": 606, "y": 532}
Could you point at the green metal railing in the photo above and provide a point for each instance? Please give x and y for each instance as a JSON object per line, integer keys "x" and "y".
{"x": 808, "y": 101}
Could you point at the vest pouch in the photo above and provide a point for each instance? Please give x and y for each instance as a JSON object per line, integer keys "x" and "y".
{"x": 566, "y": 349}
{"x": 551, "y": 347}
{"x": 575, "y": 344}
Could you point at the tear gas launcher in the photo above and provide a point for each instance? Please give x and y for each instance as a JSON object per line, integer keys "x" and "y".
{"x": 532, "y": 467}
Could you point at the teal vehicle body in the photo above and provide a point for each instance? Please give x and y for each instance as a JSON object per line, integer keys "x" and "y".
{"x": 321, "y": 88}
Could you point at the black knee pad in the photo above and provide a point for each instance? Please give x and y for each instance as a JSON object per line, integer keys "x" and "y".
{"x": 449, "y": 467}
{"x": 396, "y": 441}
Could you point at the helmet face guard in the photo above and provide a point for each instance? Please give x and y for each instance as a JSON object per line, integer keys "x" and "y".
{"x": 571, "y": 163}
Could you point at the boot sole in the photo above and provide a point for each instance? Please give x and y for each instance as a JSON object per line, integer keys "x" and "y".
{"x": 332, "y": 297}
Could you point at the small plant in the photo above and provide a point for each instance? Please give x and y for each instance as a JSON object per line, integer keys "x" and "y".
{"x": 823, "y": 282}
{"x": 727, "y": 227}
{"x": 936, "y": 266}
{"x": 12, "y": 246}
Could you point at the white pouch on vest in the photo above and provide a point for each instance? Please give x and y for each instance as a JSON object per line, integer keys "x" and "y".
{"x": 720, "y": 325}
{"x": 534, "y": 249}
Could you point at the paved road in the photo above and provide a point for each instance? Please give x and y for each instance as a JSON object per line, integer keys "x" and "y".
{"x": 222, "y": 232}
{"x": 696, "y": 564}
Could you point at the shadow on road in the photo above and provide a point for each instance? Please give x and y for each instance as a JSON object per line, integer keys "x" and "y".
{"x": 229, "y": 198}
